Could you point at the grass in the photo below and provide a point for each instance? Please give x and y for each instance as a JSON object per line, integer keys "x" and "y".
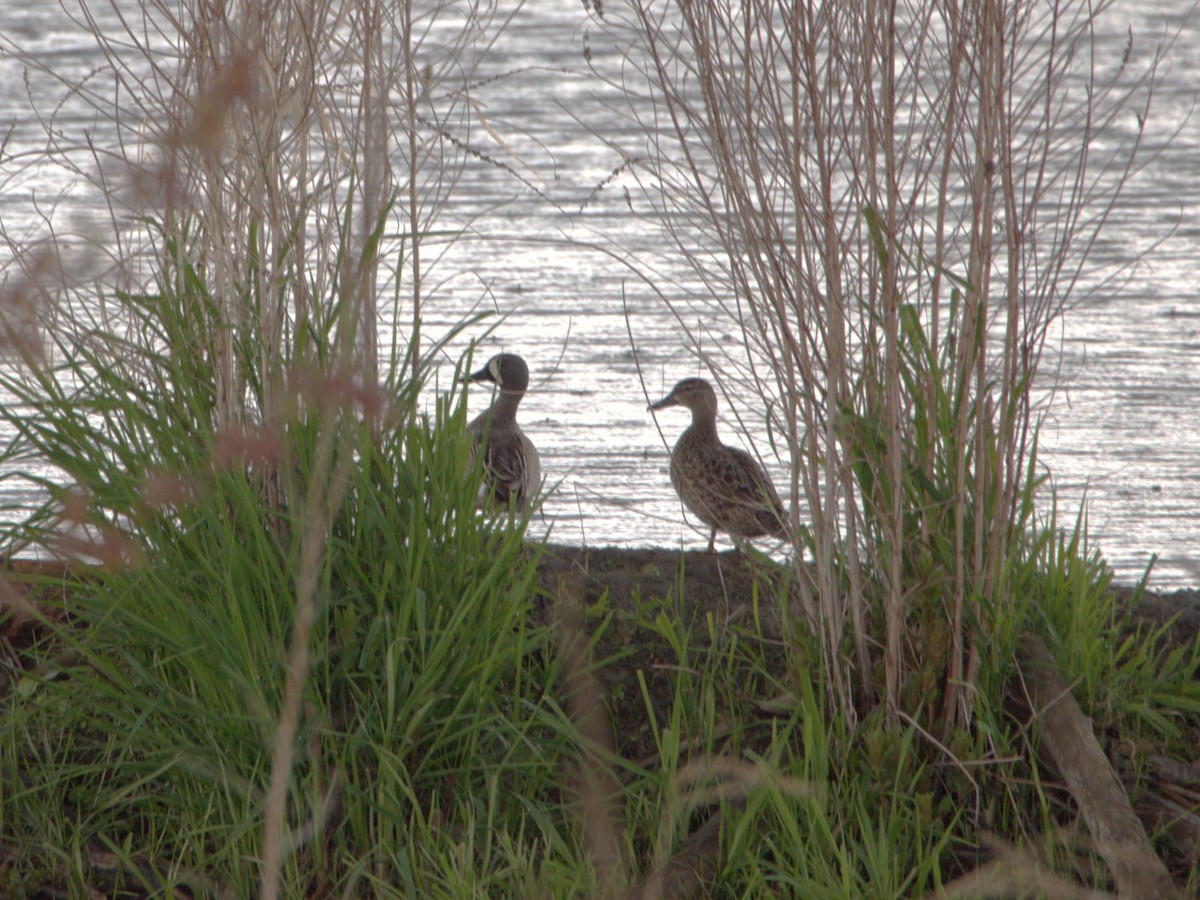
{"x": 145, "y": 728}
{"x": 437, "y": 746}
{"x": 301, "y": 661}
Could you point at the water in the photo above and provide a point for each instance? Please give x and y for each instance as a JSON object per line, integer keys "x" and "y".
{"x": 1122, "y": 427}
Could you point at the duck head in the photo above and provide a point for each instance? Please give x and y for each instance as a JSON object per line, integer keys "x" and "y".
{"x": 507, "y": 371}
{"x": 695, "y": 394}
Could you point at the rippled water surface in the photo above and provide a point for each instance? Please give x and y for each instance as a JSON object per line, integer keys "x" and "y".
{"x": 1123, "y": 425}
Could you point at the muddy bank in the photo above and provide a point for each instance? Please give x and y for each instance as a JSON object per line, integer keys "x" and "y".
{"x": 724, "y": 584}
{"x": 618, "y": 593}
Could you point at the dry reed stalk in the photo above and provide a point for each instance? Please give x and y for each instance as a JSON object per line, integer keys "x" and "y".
{"x": 1070, "y": 742}
{"x": 414, "y": 224}
{"x": 287, "y": 149}
{"x": 321, "y": 503}
{"x": 599, "y": 809}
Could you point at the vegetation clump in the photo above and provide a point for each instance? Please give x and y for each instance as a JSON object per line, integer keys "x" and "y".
{"x": 291, "y": 655}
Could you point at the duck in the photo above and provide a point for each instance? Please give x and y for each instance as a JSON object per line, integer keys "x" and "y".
{"x": 512, "y": 467}
{"x": 723, "y": 486}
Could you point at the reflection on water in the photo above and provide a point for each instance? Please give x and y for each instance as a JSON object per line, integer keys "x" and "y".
{"x": 1122, "y": 427}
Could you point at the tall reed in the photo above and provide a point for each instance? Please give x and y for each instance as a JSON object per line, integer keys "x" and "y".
{"x": 291, "y": 147}
{"x": 891, "y": 203}
{"x": 271, "y": 172}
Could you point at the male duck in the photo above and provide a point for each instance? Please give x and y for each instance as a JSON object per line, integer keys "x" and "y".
{"x": 512, "y": 469}
{"x": 723, "y": 486}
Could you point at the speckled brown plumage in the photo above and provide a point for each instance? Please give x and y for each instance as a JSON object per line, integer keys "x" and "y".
{"x": 512, "y": 468}
{"x": 723, "y": 486}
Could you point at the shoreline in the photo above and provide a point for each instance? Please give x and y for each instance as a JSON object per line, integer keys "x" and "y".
{"x": 722, "y": 584}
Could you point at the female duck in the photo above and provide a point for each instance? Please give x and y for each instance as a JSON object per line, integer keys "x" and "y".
{"x": 724, "y": 487}
{"x": 512, "y": 469}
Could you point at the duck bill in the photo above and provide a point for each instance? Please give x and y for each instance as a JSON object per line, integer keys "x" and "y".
{"x": 665, "y": 402}
{"x": 482, "y": 375}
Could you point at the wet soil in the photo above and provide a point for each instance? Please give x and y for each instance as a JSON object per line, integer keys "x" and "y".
{"x": 714, "y": 599}
{"x": 635, "y": 604}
